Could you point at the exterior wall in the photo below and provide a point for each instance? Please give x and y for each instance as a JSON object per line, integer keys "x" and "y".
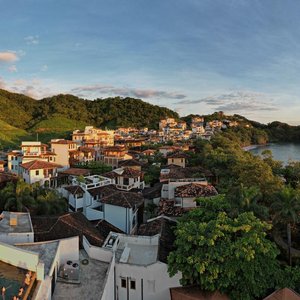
{"x": 19, "y": 257}
{"x": 151, "y": 282}
{"x": 177, "y": 161}
{"x": 62, "y": 152}
{"x": 16, "y": 238}
{"x": 98, "y": 253}
{"x": 119, "y": 216}
{"x": 109, "y": 291}
{"x": 186, "y": 202}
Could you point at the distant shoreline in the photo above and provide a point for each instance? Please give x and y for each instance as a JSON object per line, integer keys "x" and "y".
{"x": 252, "y": 147}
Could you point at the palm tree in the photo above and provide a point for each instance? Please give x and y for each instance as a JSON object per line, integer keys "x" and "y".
{"x": 17, "y": 196}
{"x": 286, "y": 209}
{"x": 49, "y": 202}
{"x": 245, "y": 199}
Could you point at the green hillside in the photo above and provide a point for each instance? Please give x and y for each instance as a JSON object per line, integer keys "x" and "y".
{"x": 10, "y": 136}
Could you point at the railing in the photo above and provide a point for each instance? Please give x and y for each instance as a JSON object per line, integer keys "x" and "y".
{"x": 187, "y": 179}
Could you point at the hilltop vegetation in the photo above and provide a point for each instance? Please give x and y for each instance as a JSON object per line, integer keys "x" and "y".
{"x": 59, "y": 115}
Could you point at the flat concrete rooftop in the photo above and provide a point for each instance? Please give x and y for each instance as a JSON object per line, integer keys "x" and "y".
{"x": 138, "y": 254}
{"x": 46, "y": 251}
{"x": 92, "y": 277}
{"x": 23, "y": 222}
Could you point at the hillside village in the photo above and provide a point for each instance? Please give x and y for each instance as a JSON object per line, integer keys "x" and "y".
{"x": 119, "y": 194}
{"x": 108, "y": 222}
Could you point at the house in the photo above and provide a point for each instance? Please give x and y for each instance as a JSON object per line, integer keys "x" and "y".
{"x": 122, "y": 209}
{"x": 99, "y": 199}
{"x": 29, "y": 151}
{"x": 188, "y": 174}
{"x": 126, "y": 178}
{"x": 62, "y": 149}
{"x": 140, "y": 268}
{"x": 2, "y": 164}
{"x": 45, "y": 173}
{"x": 165, "y": 150}
{"x": 82, "y": 155}
{"x": 131, "y": 163}
{"x": 114, "y": 154}
{"x": 6, "y": 177}
{"x": 185, "y": 195}
{"x": 149, "y": 152}
{"x": 93, "y": 137}
{"x": 66, "y": 176}
{"x": 177, "y": 158}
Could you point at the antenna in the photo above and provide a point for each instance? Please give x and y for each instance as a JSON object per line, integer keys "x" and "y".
{"x": 37, "y": 136}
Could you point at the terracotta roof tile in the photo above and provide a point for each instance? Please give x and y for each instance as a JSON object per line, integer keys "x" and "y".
{"x": 38, "y": 164}
{"x": 192, "y": 190}
{"x": 74, "y": 189}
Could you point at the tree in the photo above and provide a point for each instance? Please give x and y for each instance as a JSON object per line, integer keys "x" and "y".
{"x": 231, "y": 255}
{"x": 245, "y": 199}
{"x": 286, "y": 209}
{"x": 17, "y": 196}
{"x": 49, "y": 202}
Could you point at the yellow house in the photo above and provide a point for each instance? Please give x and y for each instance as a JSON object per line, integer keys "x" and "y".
{"x": 178, "y": 159}
{"x": 62, "y": 149}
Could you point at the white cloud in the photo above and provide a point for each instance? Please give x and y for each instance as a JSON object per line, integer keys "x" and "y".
{"x": 32, "y": 40}
{"x": 8, "y": 56}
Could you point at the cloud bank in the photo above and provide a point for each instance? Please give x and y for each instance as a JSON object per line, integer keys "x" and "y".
{"x": 125, "y": 92}
{"x": 8, "y": 56}
{"x": 236, "y": 102}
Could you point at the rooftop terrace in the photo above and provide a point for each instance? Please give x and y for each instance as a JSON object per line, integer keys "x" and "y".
{"x": 92, "y": 277}
{"x": 15, "y": 222}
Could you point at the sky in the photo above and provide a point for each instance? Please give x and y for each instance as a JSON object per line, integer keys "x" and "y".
{"x": 193, "y": 56}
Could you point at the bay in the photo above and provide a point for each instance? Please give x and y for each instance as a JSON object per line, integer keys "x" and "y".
{"x": 283, "y": 152}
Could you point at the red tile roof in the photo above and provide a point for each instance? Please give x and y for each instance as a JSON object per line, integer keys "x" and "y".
{"x": 195, "y": 190}
{"x": 75, "y": 172}
{"x": 38, "y": 164}
{"x": 283, "y": 294}
{"x": 62, "y": 142}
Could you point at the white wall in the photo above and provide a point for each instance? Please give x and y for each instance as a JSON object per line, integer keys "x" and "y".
{"x": 154, "y": 278}
{"x": 98, "y": 253}
{"x": 116, "y": 215}
{"x": 19, "y": 257}
{"x": 16, "y": 238}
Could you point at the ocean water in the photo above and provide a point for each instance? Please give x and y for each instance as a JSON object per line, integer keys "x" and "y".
{"x": 283, "y": 152}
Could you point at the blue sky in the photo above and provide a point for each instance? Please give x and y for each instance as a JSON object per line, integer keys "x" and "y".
{"x": 193, "y": 56}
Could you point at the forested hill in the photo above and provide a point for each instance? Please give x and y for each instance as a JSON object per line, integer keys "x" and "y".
{"x": 22, "y": 117}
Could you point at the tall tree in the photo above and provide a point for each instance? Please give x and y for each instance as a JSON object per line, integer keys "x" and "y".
{"x": 231, "y": 255}
{"x": 286, "y": 210}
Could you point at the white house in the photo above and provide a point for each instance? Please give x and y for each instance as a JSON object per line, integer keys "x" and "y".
{"x": 45, "y": 173}
{"x": 138, "y": 263}
{"x": 98, "y": 198}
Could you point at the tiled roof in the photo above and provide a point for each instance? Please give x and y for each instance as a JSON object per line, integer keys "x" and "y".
{"x": 48, "y": 228}
{"x": 74, "y": 189}
{"x": 105, "y": 228}
{"x": 283, "y": 294}
{"x": 62, "y": 142}
{"x": 195, "y": 293}
{"x": 168, "y": 208}
{"x": 38, "y": 164}
{"x": 177, "y": 155}
{"x": 195, "y": 190}
{"x": 124, "y": 199}
{"x": 165, "y": 227}
{"x": 130, "y": 163}
{"x": 177, "y": 172}
{"x": 124, "y": 172}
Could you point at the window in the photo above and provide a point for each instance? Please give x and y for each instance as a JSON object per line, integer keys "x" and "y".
{"x": 132, "y": 284}
{"x": 37, "y": 172}
{"x": 123, "y": 283}
{"x": 126, "y": 181}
